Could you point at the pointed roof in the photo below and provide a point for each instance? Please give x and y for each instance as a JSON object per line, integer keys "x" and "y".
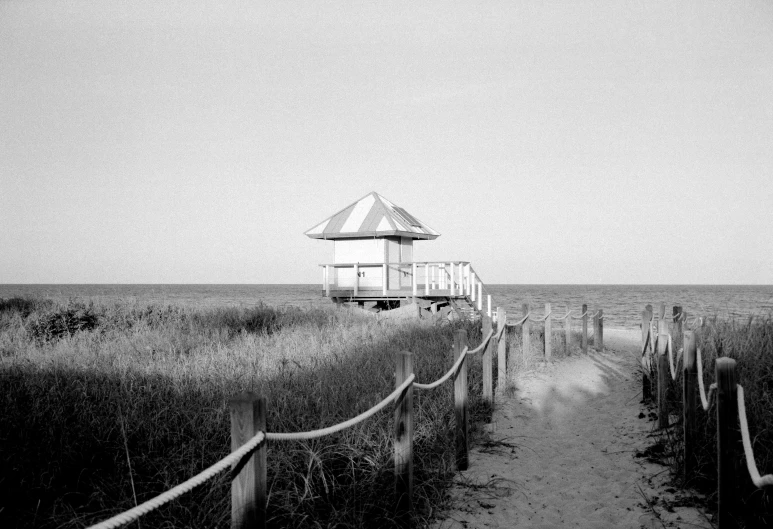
{"x": 371, "y": 216}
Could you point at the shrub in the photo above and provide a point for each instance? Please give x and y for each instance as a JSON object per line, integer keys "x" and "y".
{"x": 63, "y": 321}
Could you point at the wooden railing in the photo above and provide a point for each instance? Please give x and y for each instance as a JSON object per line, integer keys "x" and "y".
{"x": 731, "y": 408}
{"x": 452, "y": 278}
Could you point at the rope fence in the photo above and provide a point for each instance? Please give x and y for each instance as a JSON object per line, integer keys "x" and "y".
{"x": 529, "y": 317}
{"x": 729, "y": 396}
{"x": 249, "y": 438}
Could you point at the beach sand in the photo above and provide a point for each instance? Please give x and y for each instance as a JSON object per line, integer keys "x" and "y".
{"x": 562, "y": 452}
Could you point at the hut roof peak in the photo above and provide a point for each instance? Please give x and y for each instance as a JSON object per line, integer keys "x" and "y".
{"x": 371, "y": 216}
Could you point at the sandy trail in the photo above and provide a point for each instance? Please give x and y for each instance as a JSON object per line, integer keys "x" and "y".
{"x": 563, "y": 453}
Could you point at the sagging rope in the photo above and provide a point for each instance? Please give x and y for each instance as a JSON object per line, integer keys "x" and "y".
{"x": 455, "y": 367}
{"x": 705, "y": 400}
{"x": 565, "y": 315}
{"x": 449, "y": 374}
{"x": 482, "y": 344}
{"x": 521, "y": 321}
{"x": 751, "y": 465}
{"x": 670, "y": 348}
{"x": 581, "y": 316}
{"x": 314, "y": 434}
{"x": 154, "y": 503}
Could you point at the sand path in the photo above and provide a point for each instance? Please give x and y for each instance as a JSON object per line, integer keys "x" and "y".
{"x": 563, "y": 453}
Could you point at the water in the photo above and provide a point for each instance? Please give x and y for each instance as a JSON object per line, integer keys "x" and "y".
{"x": 622, "y": 304}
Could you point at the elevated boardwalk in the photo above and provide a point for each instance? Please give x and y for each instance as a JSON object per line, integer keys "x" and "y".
{"x": 436, "y": 285}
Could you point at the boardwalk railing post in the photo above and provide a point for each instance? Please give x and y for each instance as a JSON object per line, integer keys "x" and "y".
{"x": 488, "y": 375}
{"x": 568, "y": 331}
{"x": 525, "y": 332}
{"x": 385, "y": 278}
{"x": 663, "y": 374}
{"x": 596, "y": 330}
{"x": 646, "y": 342}
{"x": 501, "y": 351}
{"x": 585, "y": 328}
{"x": 548, "y": 333}
{"x": 248, "y": 488}
{"x": 727, "y": 425}
{"x": 403, "y": 441}
{"x": 599, "y": 339}
{"x": 689, "y": 396}
{"x": 460, "y": 402}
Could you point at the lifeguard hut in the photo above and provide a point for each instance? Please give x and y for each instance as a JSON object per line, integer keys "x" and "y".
{"x": 373, "y": 261}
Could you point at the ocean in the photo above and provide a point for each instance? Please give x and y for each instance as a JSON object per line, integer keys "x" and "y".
{"x": 622, "y": 304}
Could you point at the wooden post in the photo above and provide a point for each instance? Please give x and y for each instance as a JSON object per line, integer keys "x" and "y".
{"x": 646, "y": 341}
{"x": 480, "y": 295}
{"x": 460, "y": 402}
{"x": 327, "y": 280}
{"x": 403, "y": 441}
{"x": 595, "y": 328}
{"x": 248, "y": 488}
{"x": 453, "y": 286}
{"x": 568, "y": 331}
{"x": 488, "y": 311}
{"x": 501, "y": 351}
{"x": 689, "y": 402}
{"x": 548, "y": 334}
{"x": 664, "y": 374}
{"x": 727, "y": 428}
{"x": 414, "y": 279}
{"x": 525, "y": 333}
{"x": 661, "y": 311}
{"x": 385, "y": 278}
{"x": 426, "y": 279}
{"x": 585, "y": 328}
{"x": 488, "y": 354}
{"x": 473, "y": 286}
{"x": 356, "y": 279}
{"x": 599, "y": 338}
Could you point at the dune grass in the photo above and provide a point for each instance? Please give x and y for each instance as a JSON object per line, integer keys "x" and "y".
{"x": 750, "y": 343}
{"x": 107, "y": 405}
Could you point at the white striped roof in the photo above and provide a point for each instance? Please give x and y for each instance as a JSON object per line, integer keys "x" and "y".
{"x": 372, "y": 216}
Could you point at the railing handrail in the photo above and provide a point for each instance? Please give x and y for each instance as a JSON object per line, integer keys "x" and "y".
{"x": 401, "y": 263}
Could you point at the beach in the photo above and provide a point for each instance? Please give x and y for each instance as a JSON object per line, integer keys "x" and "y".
{"x": 567, "y": 450}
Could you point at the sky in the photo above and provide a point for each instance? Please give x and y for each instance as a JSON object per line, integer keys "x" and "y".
{"x": 575, "y": 142}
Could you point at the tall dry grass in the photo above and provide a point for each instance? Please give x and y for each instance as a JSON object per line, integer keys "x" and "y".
{"x": 106, "y": 405}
